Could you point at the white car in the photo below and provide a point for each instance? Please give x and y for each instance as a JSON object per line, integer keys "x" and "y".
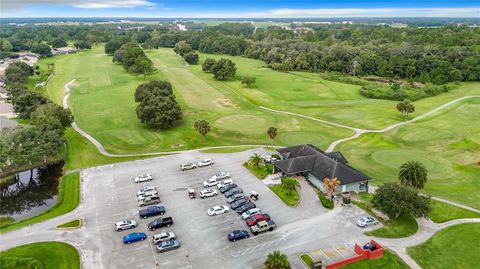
{"x": 217, "y": 210}
{"x": 146, "y": 189}
{"x": 208, "y": 193}
{"x": 221, "y": 175}
{"x": 210, "y": 183}
{"x": 164, "y": 236}
{"x": 251, "y": 212}
{"x": 224, "y": 183}
{"x": 187, "y": 166}
{"x": 366, "y": 221}
{"x": 146, "y": 195}
{"x": 143, "y": 178}
{"x": 205, "y": 162}
{"x": 125, "y": 225}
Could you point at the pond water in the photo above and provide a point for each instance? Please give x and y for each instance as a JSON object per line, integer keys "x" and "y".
{"x": 30, "y": 192}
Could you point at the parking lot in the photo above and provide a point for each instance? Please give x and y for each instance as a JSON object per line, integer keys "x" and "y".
{"x": 204, "y": 238}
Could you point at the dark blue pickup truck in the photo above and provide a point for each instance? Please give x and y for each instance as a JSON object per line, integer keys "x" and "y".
{"x": 151, "y": 211}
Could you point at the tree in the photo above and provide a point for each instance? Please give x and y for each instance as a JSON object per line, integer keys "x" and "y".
{"x": 395, "y": 86}
{"x": 17, "y": 72}
{"x": 202, "y": 127}
{"x": 52, "y": 114}
{"x": 191, "y": 58}
{"x": 42, "y": 49}
{"x": 224, "y": 69}
{"x": 144, "y": 66}
{"x": 413, "y": 174}
{"x": 289, "y": 184}
{"x": 272, "y": 133}
{"x": 82, "y": 44}
{"x": 397, "y": 200}
{"x": 331, "y": 186}
{"x": 112, "y": 46}
{"x": 58, "y": 43}
{"x": 249, "y": 81}
{"x": 255, "y": 159}
{"x": 277, "y": 260}
{"x": 157, "y": 106}
{"x": 27, "y": 102}
{"x": 182, "y": 48}
{"x": 5, "y": 45}
{"x": 405, "y": 107}
{"x": 208, "y": 65}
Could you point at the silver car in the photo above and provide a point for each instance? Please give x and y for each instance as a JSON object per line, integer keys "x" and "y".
{"x": 168, "y": 245}
{"x": 125, "y": 225}
{"x": 366, "y": 221}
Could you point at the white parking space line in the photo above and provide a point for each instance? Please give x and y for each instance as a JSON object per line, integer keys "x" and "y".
{"x": 257, "y": 247}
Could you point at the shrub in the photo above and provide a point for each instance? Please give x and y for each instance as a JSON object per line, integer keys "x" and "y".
{"x": 325, "y": 201}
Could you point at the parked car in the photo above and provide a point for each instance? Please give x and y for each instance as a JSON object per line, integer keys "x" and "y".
{"x": 125, "y": 225}
{"x": 236, "y": 197}
{"x": 254, "y": 219}
{"x": 237, "y": 235}
{"x": 250, "y": 212}
{"x": 187, "y": 166}
{"x": 147, "y": 194}
{"x": 205, "y": 162}
{"x": 217, "y": 210}
{"x": 221, "y": 175}
{"x": 143, "y": 178}
{"x": 366, "y": 221}
{"x": 168, "y": 245}
{"x": 269, "y": 159}
{"x": 210, "y": 183}
{"x": 151, "y": 211}
{"x": 146, "y": 189}
{"x": 149, "y": 201}
{"x": 235, "y": 205}
{"x": 245, "y": 207}
{"x": 227, "y": 187}
{"x": 233, "y": 192}
{"x": 163, "y": 236}
{"x": 134, "y": 237}
{"x": 224, "y": 183}
{"x": 159, "y": 223}
{"x": 263, "y": 226}
{"x": 208, "y": 193}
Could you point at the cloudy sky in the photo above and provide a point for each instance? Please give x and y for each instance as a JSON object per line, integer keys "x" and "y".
{"x": 238, "y": 9}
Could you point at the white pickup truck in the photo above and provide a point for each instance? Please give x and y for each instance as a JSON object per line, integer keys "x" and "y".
{"x": 164, "y": 236}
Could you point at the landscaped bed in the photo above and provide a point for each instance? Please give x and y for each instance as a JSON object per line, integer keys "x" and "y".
{"x": 289, "y": 199}
{"x": 71, "y": 224}
{"x": 260, "y": 171}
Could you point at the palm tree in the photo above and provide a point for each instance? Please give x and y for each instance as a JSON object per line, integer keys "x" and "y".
{"x": 202, "y": 127}
{"x": 272, "y": 133}
{"x": 277, "y": 260}
{"x": 413, "y": 174}
{"x": 289, "y": 184}
{"x": 331, "y": 185}
{"x": 255, "y": 159}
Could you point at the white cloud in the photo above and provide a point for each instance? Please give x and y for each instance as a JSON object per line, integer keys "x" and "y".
{"x": 18, "y": 5}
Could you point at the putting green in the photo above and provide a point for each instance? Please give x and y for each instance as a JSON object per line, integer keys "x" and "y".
{"x": 245, "y": 124}
{"x": 296, "y": 138}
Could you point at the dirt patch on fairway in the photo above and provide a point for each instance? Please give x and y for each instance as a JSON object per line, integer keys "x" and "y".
{"x": 226, "y": 102}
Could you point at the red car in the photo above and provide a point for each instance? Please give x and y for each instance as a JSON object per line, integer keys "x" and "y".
{"x": 252, "y": 220}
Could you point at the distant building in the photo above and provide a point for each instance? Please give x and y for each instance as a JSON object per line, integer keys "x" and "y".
{"x": 182, "y": 27}
{"x": 64, "y": 50}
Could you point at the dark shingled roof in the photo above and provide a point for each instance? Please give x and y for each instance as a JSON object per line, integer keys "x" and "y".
{"x": 308, "y": 158}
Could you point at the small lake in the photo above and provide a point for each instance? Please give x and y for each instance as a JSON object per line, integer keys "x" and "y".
{"x": 30, "y": 192}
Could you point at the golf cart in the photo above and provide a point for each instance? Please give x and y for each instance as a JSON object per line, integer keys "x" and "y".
{"x": 254, "y": 195}
{"x": 192, "y": 193}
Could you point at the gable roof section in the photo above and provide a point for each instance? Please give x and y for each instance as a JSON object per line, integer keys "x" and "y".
{"x": 308, "y": 158}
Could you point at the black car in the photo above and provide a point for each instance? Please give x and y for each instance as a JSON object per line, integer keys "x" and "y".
{"x": 159, "y": 223}
{"x": 233, "y": 192}
{"x": 228, "y": 187}
{"x": 236, "y": 197}
{"x": 237, "y": 235}
{"x": 235, "y": 205}
{"x": 151, "y": 211}
{"x": 245, "y": 207}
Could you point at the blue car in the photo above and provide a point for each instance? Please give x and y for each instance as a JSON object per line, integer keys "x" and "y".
{"x": 237, "y": 235}
{"x": 134, "y": 237}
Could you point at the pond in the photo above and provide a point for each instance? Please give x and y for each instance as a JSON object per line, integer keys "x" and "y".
{"x": 30, "y": 192}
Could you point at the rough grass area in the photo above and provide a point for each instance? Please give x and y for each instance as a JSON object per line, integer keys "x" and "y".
{"x": 6, "y": 220}
{"x": 396, "y": 228}
{"x": 45, "y": 255}
{"x": 388, "y": 260}
{"x": 68, "y": 199}
{"x": 453, "y": 247}
{"x": 71, "y": 224}
{"x": 261, "y": 171}
{"x": 289, "y": 199}
{"x": 442, "y": 212}
{"x": 228, "y": 150}
{"x": 307, "y": 259}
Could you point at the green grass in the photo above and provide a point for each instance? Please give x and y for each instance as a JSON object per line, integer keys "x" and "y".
{"x": 453, "y": 247}
{"x": 6, "y": 220}
{"x": 289, "y": 199}
{"x": 388, "y": 260}
{"x": 71, "y": 224}
{"x": 442, "y": 212}
{"x": 228, "y": 150}
{"x": 45, "y": 255}
{"x": 396, "y": 228}
{"x": 307, "y": 259}
{"x": 68, "y": 199}
{"x": 261, "y": 171}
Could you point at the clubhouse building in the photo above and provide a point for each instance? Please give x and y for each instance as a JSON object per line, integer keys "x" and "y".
{"x": 315, "y": 165}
